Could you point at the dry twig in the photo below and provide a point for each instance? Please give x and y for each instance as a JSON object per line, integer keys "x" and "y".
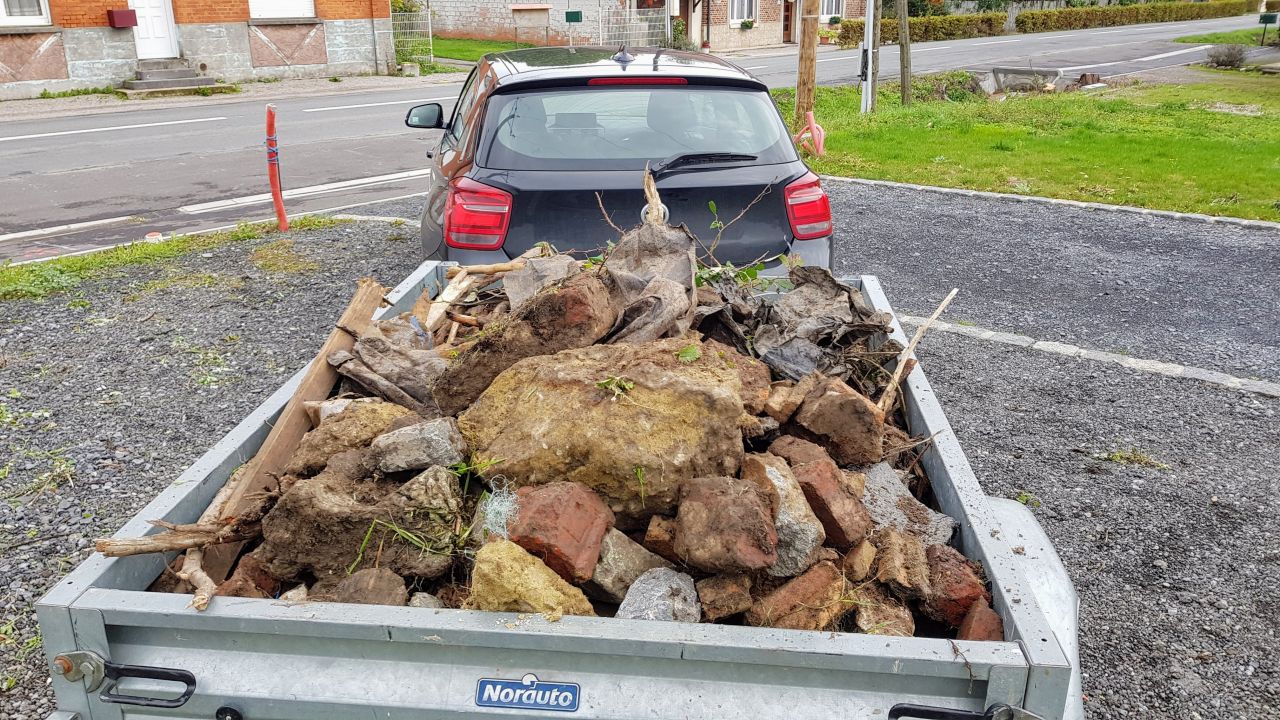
{"x": 607, "y": 218}
{"x": 886, "y": 400}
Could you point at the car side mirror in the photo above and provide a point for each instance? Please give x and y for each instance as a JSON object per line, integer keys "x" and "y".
{"x": 429, "y": 116}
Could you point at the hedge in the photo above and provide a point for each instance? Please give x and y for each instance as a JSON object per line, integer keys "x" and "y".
{"x": 929, "y": 27}
{"x": 1079, "y": 18}
{"x": 1273, "y": 5}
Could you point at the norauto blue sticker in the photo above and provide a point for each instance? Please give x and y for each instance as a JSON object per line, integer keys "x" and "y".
{"x": 527, "y": 693}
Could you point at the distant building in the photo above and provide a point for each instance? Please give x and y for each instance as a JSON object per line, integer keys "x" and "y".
{"x": 63, "y": 44}
{"x": 715, "y": 24}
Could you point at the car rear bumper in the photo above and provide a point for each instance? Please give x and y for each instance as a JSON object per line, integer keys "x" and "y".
{"x": 815, "y": 252}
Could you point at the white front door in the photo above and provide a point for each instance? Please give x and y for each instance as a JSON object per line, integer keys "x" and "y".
{"x": 156, "y": 35}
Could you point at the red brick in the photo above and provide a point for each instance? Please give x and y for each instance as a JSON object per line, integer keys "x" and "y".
{"x": 954, "y": 585}
{"x": 814, "y": 601}
{"x": 843, "y": 421}
{"x": 660, "y": 537}
{"x": 724, "y": 525}
{"x": 724, "y": 595}
{"x": 831, "y": 496}
{"x": 981, "y": 623}
{"x": 562, "y": 523}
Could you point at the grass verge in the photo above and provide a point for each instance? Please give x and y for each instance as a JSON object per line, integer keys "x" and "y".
{"x": 47, "y": 94}
{"x": 1245, "y": 36}
{"x": 1209, "y": 147}
{"x": 38, "y": 280}
{"x": 457, "y": 48}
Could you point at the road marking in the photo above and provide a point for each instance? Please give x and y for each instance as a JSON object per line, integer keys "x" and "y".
{"x": 63, "y": 229}
{"x": 1155, "y": 367}
{"x": 377, "y": 104}
{"x": 216, "y": 205}
{"x": 1161, "y": 56}
{"x": 755, "y": 67}
{"x": 842, "y": 57}
{"x": 111, "y": 127}
{"x": 88, "y": 251}
{"x": 999, "y": 42}
{"x": 1055, "y": 37}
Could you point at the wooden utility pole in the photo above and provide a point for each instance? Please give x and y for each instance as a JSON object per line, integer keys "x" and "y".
{"x": 904, "y": 52}
{"x": 806, "y": 73}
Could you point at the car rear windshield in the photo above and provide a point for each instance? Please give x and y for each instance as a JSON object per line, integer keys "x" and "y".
{"x": 622, "y": 128}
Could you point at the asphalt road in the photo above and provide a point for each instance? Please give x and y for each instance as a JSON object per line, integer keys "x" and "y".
{"x": 115, "y": 177}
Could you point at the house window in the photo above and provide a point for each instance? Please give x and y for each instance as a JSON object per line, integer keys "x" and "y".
{"x": 829, "y": 9}
{"x": 266, "y": 9}
{"x": 24, "y": 12}
{"x": 740, "y": 10}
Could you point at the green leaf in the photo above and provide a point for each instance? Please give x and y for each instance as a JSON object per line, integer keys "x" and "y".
{"x": 711, "y": 205}
{"x": 688, "y": 353}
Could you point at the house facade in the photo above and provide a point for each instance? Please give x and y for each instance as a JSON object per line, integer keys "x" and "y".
{"x": 63, "y": 44}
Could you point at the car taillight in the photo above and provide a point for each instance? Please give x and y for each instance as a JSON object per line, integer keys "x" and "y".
{"x": 808, "y": 208}
{"x": 476, "y": 215}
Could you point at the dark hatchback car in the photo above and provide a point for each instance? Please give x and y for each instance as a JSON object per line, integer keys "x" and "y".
{"x": 537, "y": 133}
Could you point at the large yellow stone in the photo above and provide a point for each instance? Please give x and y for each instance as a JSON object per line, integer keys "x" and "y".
{"x": 508, "y": 579}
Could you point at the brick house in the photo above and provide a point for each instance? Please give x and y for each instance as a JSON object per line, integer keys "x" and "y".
{"x": 714, "y": 24}
{"x": 64, "y": 44}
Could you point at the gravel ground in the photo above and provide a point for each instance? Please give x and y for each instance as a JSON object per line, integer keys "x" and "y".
{"x": 107, "y": 403}
{"x": 1111, "y": 281}
{"x": 1176, "y": 566}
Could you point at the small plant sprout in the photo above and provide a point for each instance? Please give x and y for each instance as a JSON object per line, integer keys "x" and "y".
{"x": 639, "y": 471}
{"x": 688, "y": 353}
{"x": 1028, "y": 499}
{"x": 616, "y": 385}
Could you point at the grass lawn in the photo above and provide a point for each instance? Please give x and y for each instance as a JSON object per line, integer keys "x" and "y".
{"x": 463, "y": 49}
{"x": 1245, "y": 36}
{"x": 1170, "y": 147}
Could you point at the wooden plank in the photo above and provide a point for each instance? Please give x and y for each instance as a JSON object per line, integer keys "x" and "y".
{"x": 293, "y": 422}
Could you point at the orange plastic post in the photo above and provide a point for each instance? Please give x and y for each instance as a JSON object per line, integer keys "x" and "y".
{"x": 273, "y": 169}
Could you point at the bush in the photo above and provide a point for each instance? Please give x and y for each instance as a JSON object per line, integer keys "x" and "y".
{"x": 1078, "y": 18}
{"x": 1273, "y": 6}
{"x": 1226, "y": 56}
{"x": 929, "y": 27}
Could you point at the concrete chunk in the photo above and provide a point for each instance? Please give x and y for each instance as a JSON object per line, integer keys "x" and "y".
{"x": 661, "y": 594}
{"x": 800, "y": 534}
{"x": 427, "y": 444}
{"x": 622, "y": 560}
{"x": 891, "y": 504}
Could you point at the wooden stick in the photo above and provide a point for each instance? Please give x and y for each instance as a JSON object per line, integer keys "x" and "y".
{"x": 457, "y": 289}
{"x": 453, "y": 333}
{"x": 887, "y": 399}
{"x": 457, "y": 270}
{"x": 293, "y": 422}
{"x": 464, "y": 319}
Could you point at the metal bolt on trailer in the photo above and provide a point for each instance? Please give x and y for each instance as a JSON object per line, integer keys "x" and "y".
{"x": 117, "y": 651}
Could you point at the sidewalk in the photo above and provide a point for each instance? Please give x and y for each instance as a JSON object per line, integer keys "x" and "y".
{"x": 81, "y": 105}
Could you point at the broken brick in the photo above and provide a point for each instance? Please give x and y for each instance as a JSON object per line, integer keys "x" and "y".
{"x": 814, "y": 601}
{"x": 954, "y": 585}
{"x": 834, "y": 502}
{"x": 981, "y": 623}
{"x": 843, "y": 421}
{"x": 660, "y": 537}
{"x": 785, "y": 397}
{"x": 880, "y": 613}
{"x": 563, "y": 523}
{"x": 724, "y": 595}
{"x": 901, "y": 563}
{"x": 724, "y": 525}
{"x": 800, "y": 533}
{"x": 858, "y": 562}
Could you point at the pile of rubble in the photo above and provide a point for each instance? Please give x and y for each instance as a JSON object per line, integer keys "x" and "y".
{"x": 633, "y": 435}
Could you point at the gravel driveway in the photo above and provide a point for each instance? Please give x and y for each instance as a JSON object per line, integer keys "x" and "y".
{"x": 1176, "y": 562}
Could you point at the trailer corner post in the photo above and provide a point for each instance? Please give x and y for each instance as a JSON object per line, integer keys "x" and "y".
{"x": 273, "y": 169}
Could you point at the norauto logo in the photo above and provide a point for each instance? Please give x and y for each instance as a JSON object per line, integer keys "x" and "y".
{"x": 527, "y": 693}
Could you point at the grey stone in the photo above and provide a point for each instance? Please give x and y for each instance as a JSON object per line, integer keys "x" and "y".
{"x": 622, "y": 560}
{"x": 427, "y": 444}
{"x": 886, "y": 495}
{"x": 425, "y": 600}
{"x": 661, "y": 594}
{"x": 800, "y": 533}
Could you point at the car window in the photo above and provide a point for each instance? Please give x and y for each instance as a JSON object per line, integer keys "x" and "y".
{"x": 622, "y": 128}
{"x": 466, "y": 101}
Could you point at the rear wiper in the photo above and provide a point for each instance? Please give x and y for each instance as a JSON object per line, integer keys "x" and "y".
{"x": 702, "y": 158}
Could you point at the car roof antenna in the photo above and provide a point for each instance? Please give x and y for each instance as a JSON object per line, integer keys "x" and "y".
{"x": 623, "y": 57}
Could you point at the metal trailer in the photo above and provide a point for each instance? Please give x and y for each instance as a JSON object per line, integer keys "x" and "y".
{"x": 116, "y": 651}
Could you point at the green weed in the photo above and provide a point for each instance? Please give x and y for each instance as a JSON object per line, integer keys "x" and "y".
{"x": 1133, "y": 456}
{"x": 280, "y": 257}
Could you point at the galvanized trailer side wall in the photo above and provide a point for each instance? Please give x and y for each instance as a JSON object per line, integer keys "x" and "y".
{"x": 962, "y": 498}
{"x": 239, "y": 647}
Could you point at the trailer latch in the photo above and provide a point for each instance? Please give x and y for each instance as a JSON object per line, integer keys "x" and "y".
{"x": 999, "y": 711}
{"x": 96, "y": 672}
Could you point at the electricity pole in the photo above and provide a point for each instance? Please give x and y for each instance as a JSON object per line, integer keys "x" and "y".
{"x": 868, "y": 38}
{"x": 806, "y": 73}
{"x": 904, "y": 52}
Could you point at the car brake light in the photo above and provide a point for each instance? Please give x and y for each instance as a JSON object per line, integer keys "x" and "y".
{"x": 476, "y": 215}
{"x": 638, "y": 81}
{"x": 808, "y": 208}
